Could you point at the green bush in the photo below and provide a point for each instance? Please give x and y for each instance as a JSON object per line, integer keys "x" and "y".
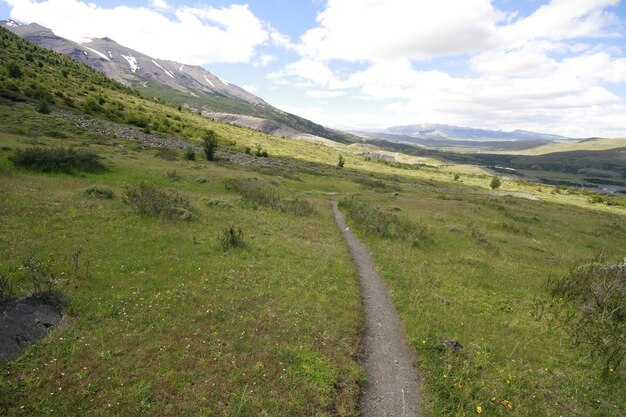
{"x": 149, "y": 200}
{"x": 594, "y": 310}
{"x": 190, "y": 154}
{"x": 257, "y": 195}
{"x": 209, "y": 145}
{"x": 43, "y": 108}
{"x": 57, "y": 160}
{"x": 341, "y": 162}
{"x": 231, "y": 238}
{"x": 495, "y": 183}
{"x": 383, "y": 223}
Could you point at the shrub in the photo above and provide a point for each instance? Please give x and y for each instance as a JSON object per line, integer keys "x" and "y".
{"x": 259, "y": 195}
{"x": 14, "y": 70}
{"x": 43, "y": 108}
{"x": 167, "y": 153}
{"x": 209, "y": 145}
{"x": 341, "y": 161}
{"x": 377, "y": 185}
{"x": 151, "y": 201}
{"x": 190, "y": 154}
{"x": 597, "y": 291}
{"x": 457, "y": 176}
{"x": 231, "y": 238}
{"x": 382, "y": 223}
{"x": 495, "y": 183}
{"x": 100, "y": 192}
{"x": 57, "y": 160}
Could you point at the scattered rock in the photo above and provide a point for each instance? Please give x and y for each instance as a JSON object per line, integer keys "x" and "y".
{"x": 452, "y": 345}
{"x": 23, "y": 321}
{"x": 99, "y": 192}
{"x": 202, "y": 180}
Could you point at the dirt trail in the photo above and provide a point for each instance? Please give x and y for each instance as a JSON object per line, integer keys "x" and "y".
{"x": 392, "y": 383}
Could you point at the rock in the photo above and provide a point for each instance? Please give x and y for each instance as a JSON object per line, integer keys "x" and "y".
{"x": 23, "y": 321}
{"x": 452, "y": 345}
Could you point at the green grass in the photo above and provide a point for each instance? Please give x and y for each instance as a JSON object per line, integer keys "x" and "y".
{"x": 482, "y": 282}
{"x": 161, "y": 320}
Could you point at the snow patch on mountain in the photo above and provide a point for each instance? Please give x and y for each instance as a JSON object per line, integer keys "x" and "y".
{"x": 110, "y": 54}
{"x": 223, "y": 82}
{"x": 132, "y": 61}
{"x": 209, "y": 81}
{"x": 166, "y": 71}
{"x": 100, "y": 54}
{"x": 181, "y": 68}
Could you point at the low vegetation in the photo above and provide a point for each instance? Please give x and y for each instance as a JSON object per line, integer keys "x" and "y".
{"x": 65, "y": 160}
{"x": 382, "y": 223}
{"x": 592, "y": 304}
{"x": 150, "y": 200}
{"x": 257, "y": 194}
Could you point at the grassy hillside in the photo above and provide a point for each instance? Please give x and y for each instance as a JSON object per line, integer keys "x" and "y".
{"x": 204, "y": 101}
{"x": 173, "y": 312}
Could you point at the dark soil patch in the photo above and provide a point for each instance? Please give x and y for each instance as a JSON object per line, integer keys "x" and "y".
{"x": 23, "y": 321}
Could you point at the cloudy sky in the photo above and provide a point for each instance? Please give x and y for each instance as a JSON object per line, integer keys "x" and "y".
{"x": 556, "y": 66}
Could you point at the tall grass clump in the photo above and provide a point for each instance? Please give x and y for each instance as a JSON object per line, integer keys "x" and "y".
{"x": 231, "y": 238}
{"x": 66, "y": 160}
{"x": 258, "y": 195}
{"x": 149, "y": 200}
{"x": 382, "y": 223}
{"x": 594, "y": 311}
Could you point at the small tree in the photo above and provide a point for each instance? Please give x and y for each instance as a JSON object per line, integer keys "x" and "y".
{"x": 209, "y": 145}
{"x": 457, "y": 176}
{"x": 341, "y": 161}
{"x": 496, "y": 182}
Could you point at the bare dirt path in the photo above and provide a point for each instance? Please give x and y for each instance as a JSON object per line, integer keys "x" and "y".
{"x": 392, "y": 383}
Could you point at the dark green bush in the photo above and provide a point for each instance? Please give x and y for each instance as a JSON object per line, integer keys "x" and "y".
{"x": 66, "y": 160}
{"x": 231, "y": 238}
{"x": 190, "y": 154}
{"x": 43, "y": 108}
{"x": 149, "y": 200}
{"x": 209, "y": 145}
{"x": 383, "y": 223}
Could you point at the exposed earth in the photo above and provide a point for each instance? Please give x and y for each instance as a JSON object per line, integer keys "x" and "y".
{"x": 392, "y": 383}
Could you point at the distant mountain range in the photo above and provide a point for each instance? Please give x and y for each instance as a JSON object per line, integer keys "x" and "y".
{"x": 188, "y": 85}
{"x": 448, "y": 136}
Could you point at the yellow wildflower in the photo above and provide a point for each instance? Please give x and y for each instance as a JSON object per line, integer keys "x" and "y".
{"x": 479, "y": 409}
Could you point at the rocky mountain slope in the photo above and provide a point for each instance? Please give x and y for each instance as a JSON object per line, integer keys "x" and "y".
{"x": 188, "y": 85}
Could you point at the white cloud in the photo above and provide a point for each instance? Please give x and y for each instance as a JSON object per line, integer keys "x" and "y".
{"x": 325, "y": 93}
{"x": 306, "y": 69}
{"x": 194, "y": 35}
{"x": 547, "y": 71}
{"x": 375, "y": 29}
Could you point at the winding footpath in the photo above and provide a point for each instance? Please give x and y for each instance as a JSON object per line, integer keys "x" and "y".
{"x": 392, "y": 383}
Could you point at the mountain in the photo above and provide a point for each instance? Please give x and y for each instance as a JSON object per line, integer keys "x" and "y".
{"x": 467, "y": 133}
{"x": 456, "y": 137}
{"x": 188, "y": 85}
